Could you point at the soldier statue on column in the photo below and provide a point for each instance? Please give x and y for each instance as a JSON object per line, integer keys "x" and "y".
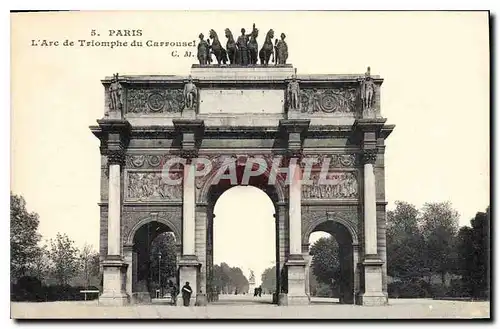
{"x": 190, "y": 94}
{"x": 115, "y": 94}
{"x": 367, "y": 90}
{"x": 293, "y": 93}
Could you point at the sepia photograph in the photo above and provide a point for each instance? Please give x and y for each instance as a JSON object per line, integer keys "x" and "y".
{"x": 250, "y": 165}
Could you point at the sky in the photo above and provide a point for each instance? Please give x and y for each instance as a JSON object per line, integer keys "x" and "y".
{"x": 436, "y": 91}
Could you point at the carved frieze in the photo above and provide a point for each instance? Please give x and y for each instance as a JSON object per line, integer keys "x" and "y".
{"x": 153, "y": 186}
{"x": 346, "y": 160}
{"x": 147, "y": 101}
{"x": 149, "y": 160}
{"x": 339, "y": 185}
{"x": 340, "y": 101}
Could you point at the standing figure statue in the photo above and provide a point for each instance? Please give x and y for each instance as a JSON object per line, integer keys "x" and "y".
{"x": 217, "y": 50}
{"x": 190, "y": 94}
{"x": 281, "y": 51}
{"x": 293, "y": 93}
{"x": 267, "y": 49}
{"x": 231, "y": 47}
{"x": 115, "y": 94}
{"x": 209, "y": 52}
{"x": 203, "y": 49}
{"x": 253, "y": 47}
{"x": 242, "y": 45}
{"x": 367, "y": 90}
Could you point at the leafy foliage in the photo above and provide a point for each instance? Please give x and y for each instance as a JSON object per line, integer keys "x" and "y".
{"x": 325, "y": 261}
{"x": 268, "y": 279}
{"x": 474, "y": 251}
{"x": 64, "y": 256}
{"x": 164, "y": 245}
{"x": 439, "y": 227}
{"x": 89, "y": 265}
{"x": 24, "y": 237}
{"x": 405, "y": 241}
{"x": 228, "y": 279}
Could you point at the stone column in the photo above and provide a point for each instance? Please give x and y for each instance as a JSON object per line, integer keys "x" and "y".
{"x": 128, "y": 258}
{"x": 282, "y": 247}
{"x": 356, "y": 272}
{"x": 372, "y": 264}
{"x": 296, "y": 265}
{"x": 370, "y": 208}
{"x": 295, "y": 208}
{"x": 188, "y": 264}
{"x": 308, "y": 260}
{"x": 188, "y": 209}
{"x": 114, "y": 266}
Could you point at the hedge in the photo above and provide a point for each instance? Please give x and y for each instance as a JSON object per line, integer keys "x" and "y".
{"x": 30, "y": 289}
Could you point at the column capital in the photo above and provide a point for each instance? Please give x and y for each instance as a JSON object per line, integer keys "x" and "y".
{"x": 116, "y": 156}
{"x": 369, "y": 156}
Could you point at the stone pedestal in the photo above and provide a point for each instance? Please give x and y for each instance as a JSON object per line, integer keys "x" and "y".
{"x": 114, "y": 281}
{"x": 296, "y": 267}
{"x": 188, "y": 272}
{"x": 373, "y": 294}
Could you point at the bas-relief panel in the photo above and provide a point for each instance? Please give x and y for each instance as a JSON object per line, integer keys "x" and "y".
{"x": 154, "y": 101}
{"x": 153, "y": 186}
{"x": 335, "y": 101}
{"x": 334, "y": 185}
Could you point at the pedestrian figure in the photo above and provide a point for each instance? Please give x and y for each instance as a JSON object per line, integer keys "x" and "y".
{"x": 186, "y": 293}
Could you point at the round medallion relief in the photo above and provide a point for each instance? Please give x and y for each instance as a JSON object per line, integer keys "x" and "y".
{"x": 156, "y": 101}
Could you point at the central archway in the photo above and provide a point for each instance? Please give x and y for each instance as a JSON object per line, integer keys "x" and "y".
{"x": 217, "y": 187}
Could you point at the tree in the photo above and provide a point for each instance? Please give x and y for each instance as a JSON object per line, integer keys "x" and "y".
{"x": 325, "y": 261}
{"x": 268, "y": 279}
{"x": 474, "y": 254}
{"x": 64, "y": 256}
{"x": 89, "y": 264}
{"x": 41, "y": 266}
{"x": 405, "y": 242}
{"x": 439, "y": 226}
{"x": 164, "y": 245}
{"x": 228, "y": 279}
{"x": 24, "y": 237}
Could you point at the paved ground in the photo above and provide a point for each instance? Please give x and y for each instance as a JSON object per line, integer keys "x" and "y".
{"x": 238, "y": 307}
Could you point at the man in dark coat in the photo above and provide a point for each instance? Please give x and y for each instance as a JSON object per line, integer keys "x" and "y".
{"x": 186, "y": 293}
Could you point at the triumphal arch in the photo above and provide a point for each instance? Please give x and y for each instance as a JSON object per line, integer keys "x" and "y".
{"x": 171, "y": 145}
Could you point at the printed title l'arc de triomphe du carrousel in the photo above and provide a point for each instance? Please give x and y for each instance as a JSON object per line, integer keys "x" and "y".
{"x": 171, "y": 145}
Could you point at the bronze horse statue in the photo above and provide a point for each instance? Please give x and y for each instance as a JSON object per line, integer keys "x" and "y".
{"x": 217, "y": 50}
{"x": 267, "y": 49}
{"x": 231, "y": 47}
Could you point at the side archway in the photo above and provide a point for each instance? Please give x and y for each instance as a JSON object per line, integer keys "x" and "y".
{"x": 343, "y": 229}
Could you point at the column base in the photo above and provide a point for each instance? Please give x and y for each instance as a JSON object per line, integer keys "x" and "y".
{"x": 114, "y": 300}
{"x": 188, "y": 272}
{"x": 373, "y": 294}
{"x": 114, "y": 278}
{"x": 296, "y": 267}
{"x": 372, "y": 299}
